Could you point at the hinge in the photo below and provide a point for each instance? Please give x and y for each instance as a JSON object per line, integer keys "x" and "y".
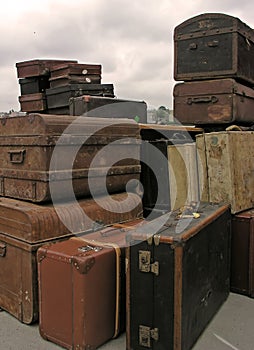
{"x": 145, "y": 264}
{"x": 146, "y": 334}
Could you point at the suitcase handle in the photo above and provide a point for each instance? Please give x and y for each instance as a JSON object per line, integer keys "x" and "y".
{"x": 17, "y": 156}
{"x": 205, "y": 99}
{"x": 2, "y": 249}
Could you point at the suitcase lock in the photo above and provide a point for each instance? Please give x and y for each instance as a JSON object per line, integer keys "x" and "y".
{"x": 146, "y": 334}
{"x": 2, "y": 249}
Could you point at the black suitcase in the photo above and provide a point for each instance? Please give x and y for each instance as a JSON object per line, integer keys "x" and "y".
{"x": 184, "y": 267}
{"x": 59, "y": 97}
{"x": 33, "y": 85}
{"x": 214, "y": 45}
{"x": 107, "y": 107}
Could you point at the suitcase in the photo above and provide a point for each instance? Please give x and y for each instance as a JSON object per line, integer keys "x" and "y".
{"x": 185, "y": 268}
{"x": 95, "y": 106}
{"x": 104, "y": 284}
{"x": 25, "y": 227}
{"x": 214, "y": 45}
{"x": 168, "y": 174}
{"x": 88, "y": 152}
{"x": 242, "y": 254}
{"x": 59, "y": 97}
{"x": 33, "y": 102}
{"x": 64, "y": 80}
{"x": 33, "y": 85}
{"x": 75, "y": 69}
{"x": 38, "y": 67}
{"x": 218, "y": 101}
{"x": 78, "y": 289}
{"x": 228, "y": 161}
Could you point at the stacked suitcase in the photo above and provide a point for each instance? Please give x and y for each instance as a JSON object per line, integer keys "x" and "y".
{"x": 45, "y": 194}
{"x": 214, "y": 57}
{"x": 47, "y": 85}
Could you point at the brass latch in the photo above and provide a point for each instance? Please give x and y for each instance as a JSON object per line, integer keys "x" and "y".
{"x": 145, "y": 264}
{"x": 146, "y": 334}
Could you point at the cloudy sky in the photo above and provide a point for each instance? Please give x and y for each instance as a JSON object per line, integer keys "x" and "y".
{"x": 132, "y": 40}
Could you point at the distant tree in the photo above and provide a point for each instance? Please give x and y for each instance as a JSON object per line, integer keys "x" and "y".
{"x": 162, "y": 115}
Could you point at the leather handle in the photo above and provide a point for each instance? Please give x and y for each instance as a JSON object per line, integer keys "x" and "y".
{"x": 204, "y": 99}
{"x": 17, "y": 156}
{"x": 2, "y": 249}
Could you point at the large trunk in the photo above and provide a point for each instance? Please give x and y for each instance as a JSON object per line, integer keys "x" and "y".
{"x": 214, "y": 45}
{"x": 184, "y": 267}
{"x": 219, "y": 101}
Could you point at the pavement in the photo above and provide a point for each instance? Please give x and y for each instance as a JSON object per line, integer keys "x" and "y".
{"x": 231, "y": 328}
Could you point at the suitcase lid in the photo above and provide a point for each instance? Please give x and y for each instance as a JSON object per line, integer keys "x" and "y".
{"x": 179, "y": 226}
{"x": 79, "y": 66}
{"x": 36, "y": 124}
{"x": 37, "y": 67}
{"x": 81, "y": 87}
{"x": 34, "y": 223}
{"x": 208, "y": 87}
{"x": 211, "y": 23}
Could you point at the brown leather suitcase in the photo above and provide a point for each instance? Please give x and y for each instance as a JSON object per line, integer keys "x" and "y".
{"x": 78, "y": 293}
{"x": 33, "y": 102}
{"x": 214, "y": 45}
{"x": 178, "y": 276}
{"x": 242, "y": 253}
{"x": 63, "y": 80}
{"x": 219, "y": 101}
{"x": 38, "y": 67}
{"x": 77, "y": 69}
{"x": 25, "y": 227}
{"x": 32, "y": 166}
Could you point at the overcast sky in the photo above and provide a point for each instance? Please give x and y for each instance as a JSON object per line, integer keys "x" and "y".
{"x": 132, "y": 40}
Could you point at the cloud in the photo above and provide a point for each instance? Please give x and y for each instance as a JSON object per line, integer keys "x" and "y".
{"x": 132, "y": 40}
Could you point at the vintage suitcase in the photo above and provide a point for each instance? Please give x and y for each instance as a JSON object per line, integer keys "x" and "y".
{"x": 75, "y": 69}
{"x": 168, "y": 174}
{"x": 242, "y": 253}
{"x": 218, "y": 101}
{"x": 78, "y": 292}
{"x": 59, "y": 97}
{"x": 33, "y": 85}
{"x": 228, "y": 161}
{"x": 89, "y": 277}
{"x": 38, "y": 67}
{"x": 33, "y": 102}
{"x": 24, "y": 227}
{"x": 95, "y": 106}
{"x": 214, "y": 45}
{"x": 63, "y": 80}
{"x": 92, "y": 156}
{"x": 185, "y": 268}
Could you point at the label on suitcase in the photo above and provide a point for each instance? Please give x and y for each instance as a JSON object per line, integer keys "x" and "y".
{"x": 79, "y": 293}
{"x": 242, "y": 253}
{"x": 213, "y": 45}
{"x": 219, "y": 101}
{"x": 91, "y": 153}
{"x": 228, "y": 161}
{"x": 185, "y": 268}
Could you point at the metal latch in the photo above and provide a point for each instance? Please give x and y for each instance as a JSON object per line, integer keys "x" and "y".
{"x": 145, "y": 264}
{"x": 2, "y": 249}
{"x": 88, "y": 248}
{"x": 146, "y": 334}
